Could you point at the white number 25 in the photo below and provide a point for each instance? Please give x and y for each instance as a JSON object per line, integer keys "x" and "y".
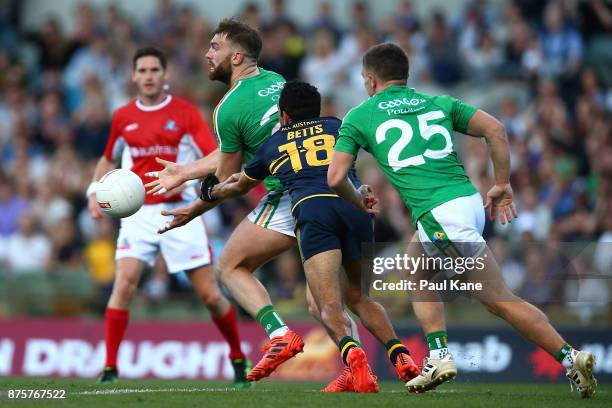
{"x": 425, "y": 130}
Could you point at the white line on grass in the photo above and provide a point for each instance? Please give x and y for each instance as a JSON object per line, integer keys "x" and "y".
{"x": 119, "y": 391}
{"x": 122, "y": 391}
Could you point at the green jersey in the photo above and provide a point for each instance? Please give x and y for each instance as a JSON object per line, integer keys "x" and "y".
{"x": 410, "y": 135}
{"x": 248, "y": 115}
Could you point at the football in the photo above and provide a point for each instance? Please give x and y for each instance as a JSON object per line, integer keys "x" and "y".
{"x": 120, "y": 193}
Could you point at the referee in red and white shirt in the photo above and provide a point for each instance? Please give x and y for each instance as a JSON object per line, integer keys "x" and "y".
{"x": 157, "y": 124}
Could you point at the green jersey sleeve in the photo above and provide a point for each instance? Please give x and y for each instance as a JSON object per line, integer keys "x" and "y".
{"x": 461, "y": 113}
{"x": 227, "y": 131}
{"x": 350, "y": 138}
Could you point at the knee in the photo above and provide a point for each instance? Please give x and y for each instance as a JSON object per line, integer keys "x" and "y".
{"x": 124, "y": 289}
{"x": 223, "y": 270}
{"x": 226, "y": 270}
{"x": 211, "y": 297}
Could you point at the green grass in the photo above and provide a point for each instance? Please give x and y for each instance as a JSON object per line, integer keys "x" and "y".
{"x": 159, "y": 393}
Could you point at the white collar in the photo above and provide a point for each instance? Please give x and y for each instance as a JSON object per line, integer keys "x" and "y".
{"x": 160, "y": 105}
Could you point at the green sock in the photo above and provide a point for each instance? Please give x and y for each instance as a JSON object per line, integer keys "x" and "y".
{"x": 437, "y": 340}
{"x": 565, "y": 350}
{"x": 438, "y": 344}
{"x": 345, "y": 345}
{"x": 394, "y": 348}
{"x": 269, "y": 319}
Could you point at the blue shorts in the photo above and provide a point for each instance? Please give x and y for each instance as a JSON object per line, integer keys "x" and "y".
{"x": 326, "y": 223}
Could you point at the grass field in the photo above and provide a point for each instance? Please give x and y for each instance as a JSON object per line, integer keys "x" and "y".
{"x": 159, "y": 393}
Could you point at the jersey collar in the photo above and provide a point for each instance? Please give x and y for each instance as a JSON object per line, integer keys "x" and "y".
{"x": 400, "y": 87}
{"x": 159, "y": 106}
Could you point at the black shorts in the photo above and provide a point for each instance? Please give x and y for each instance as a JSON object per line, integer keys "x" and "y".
{"x": 326, "y": 223}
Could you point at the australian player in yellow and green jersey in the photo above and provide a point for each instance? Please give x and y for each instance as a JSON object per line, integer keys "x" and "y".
{"x": 330, "y": 231}
{"x": 411, "y": 136}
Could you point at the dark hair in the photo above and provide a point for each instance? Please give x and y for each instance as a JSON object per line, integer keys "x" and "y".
{"x": 300, "y": 100}
{"x": 150, "y": 52}
{"x": 241, "y": 34}
{"x": 388, "y": 61}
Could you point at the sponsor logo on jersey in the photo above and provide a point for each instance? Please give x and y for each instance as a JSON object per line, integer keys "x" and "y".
{"x": 171, "y": 125}
{"x": 197, "y": 256}
{"x": 272, "y": 89}
{"x": 153, "y": 151}
{"x": 131, "y": 127}
{"x": 404, "y": 102}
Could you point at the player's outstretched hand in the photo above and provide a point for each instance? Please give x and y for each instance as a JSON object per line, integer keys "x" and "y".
{"x": 167, "y": 179}
{"x": 369, "y": 200}
{"x": 182, "y": 215}
{"x": 500, "y": 202}
{"x": 94, "y": 209}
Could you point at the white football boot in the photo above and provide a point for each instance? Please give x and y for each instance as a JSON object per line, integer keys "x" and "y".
{"x": 581, "y": 374}
{"x": 434, "y": 373}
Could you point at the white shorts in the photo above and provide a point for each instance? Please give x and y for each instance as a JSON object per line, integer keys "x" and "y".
{"x": 274, "y": 212}
{"x": 183, "y": 248}
{"x": 459, "y": 222}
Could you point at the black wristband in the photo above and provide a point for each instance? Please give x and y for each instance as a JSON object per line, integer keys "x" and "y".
{"x": 206, "y": 187}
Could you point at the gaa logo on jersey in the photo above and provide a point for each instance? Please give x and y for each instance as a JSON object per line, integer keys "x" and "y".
{"x": 438, "y": 236}
{"x": 171, "y": 125}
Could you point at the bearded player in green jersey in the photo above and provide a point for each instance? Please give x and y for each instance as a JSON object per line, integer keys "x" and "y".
{"x": 410, "y": 135}
{"x": 243, "y": 120}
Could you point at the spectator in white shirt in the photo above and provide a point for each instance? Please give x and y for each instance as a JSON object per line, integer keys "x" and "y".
{"x": 27, "y": 250}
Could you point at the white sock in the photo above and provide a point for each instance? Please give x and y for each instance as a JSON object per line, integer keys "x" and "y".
{"x": 354, "y": 329}
{"x": 438, "y": 354}
{"x": 279, "y": 332}
{"x": 568, "y": 360}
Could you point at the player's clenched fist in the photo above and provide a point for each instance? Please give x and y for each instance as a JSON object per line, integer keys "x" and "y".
{"x": 369, "y": 200}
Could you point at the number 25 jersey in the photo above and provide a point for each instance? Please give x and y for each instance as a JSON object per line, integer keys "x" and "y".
{"x": 410, "y": 135}
{"x": 299, "y": 155}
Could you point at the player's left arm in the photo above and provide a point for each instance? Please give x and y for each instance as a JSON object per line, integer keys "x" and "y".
{"x": 500, "y": 197}
{"x": 338, "y": 181}
{"x": 236, "y": 185}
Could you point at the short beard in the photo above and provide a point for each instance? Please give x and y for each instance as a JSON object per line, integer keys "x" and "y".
{"x": 222, "y": 73}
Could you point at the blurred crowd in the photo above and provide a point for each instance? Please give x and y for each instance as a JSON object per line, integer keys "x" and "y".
{"x": 543, "y": 68}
